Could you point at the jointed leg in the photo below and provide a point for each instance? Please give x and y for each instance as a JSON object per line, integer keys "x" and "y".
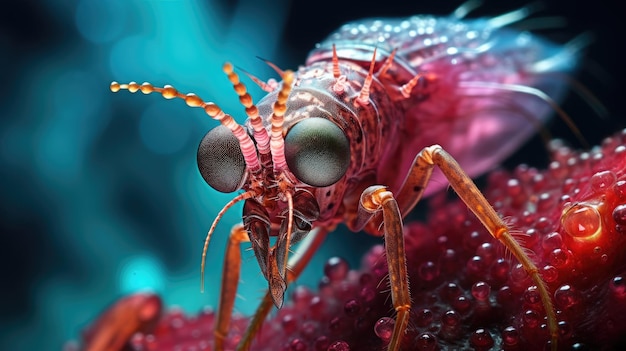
{"x": 297, "y": 262}
{"x": 377, "y": 198}
{"x": 478, "y": 204}
{"x": 230, "y": 280}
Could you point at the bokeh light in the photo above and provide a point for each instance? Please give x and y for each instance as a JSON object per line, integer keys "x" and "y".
{"x": 100, "y": 192}
{"x": 141, "y": 272}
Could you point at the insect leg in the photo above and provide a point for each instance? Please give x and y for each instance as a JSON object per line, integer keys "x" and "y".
{"x": 374, "y": 199}
{"x": 297, "y": 262}
{"x": 230, "y": 280}
{"x": 478, "y": 204}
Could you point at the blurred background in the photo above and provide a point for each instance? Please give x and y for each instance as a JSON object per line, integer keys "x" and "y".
{"x": 100, "y": 193}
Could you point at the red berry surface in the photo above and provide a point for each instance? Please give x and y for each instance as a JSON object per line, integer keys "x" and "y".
{"x": 468, "y": 292}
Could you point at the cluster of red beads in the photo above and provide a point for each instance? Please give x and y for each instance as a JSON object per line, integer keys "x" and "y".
{"x": 468, "y": 293}
{"x": 571, "y": 219}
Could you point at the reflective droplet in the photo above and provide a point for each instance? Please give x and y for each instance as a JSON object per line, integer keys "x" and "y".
{"x": 500, "y": 270}
{"x": 461, "y": 304}
{"x": 602, "y": 180}
{"x": 620, "y": 189}
{"x": 531, "y": 295}
{"x": 336, "y": 269}
{"x": 510, "y": 336}
{"x": 426, "y": 342}
{"x": 558, "y": 258}
{"x": 384, "y": 328}
{"x": 339, "y": 346}
{"x": 618, "y": 287}
{"x": 549, "y": 273}
{"x": 619, "y": 215}
{"x": 428, "y": 271}
{"x": 481, "y": 291}
{"x": 297, "y": 345}
{"x": 290, "y": 323}
{"x": 531, "y": 319}
{"x": 552, "y": 241}
{"x": 565, "y": 296}
{"x": 424, "y": 318}
{"x": 581, "y": 221}
{"x": 352, "y": 308}
{"x": 451, "y": 319}
{"x": 481, "y": 338}
{"x": 565, "y": 329}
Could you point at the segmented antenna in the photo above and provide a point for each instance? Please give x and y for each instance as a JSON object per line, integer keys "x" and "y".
{"x": 407, "y": 88}
{"x": 335, "y": 61}
{"x": 260, "y": 133}
{"x": 364, "y": 95}
{"x": 340, "y": 80}
{"x": 244, "y": 196}
{"x": 388, "y": 63}
{"x": 279, "y": 107}
{"x": 210, "y": 108}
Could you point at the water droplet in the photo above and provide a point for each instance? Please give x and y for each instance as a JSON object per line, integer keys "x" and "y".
{"x": 451, "y": 318}
{"x": 297, "y": 345}
{"x": 301, "y": 295}
{"x": 500, "y": 270}
{"x": 424, "y": 318}
{"x": 518, "y": 273}
{"x": 531, "y": 319}
{"x": 510, "y": 336}
{"x": 549, "y": 273}
{"x": 552, "y": 241}
{"x": 618, "y": 287}
{"x": 426, "y": 342}
{"x": 290, "y": 323}
{"x": 513, "y": 187}
{"x": 481, "y": 291}
{"x": 352, "y": 308}
{"x": 321, "y": 343}
{"x": 475, "y": 266}
{"x": 461, "y": 304}
{"x": 481, "y": 338}
{"x": 565, "y": 296}
{"x": 581, "y": 220}
{"x": 602, "y": 180}
{"x": 487, "y": 251}
{"x": 558, "y": 258}
{"x": 428, "y": 271}
{"x": 620, "y": 189}
{"x": 619, "y": 215}
{"x": 531, "y": 295}
{"x": 452, "y": 291}
{"x": 336, "y": 268}
{"x": 367, "y": 294}
{"x": 565, "y": 330}
{"x": 384, "y": 328}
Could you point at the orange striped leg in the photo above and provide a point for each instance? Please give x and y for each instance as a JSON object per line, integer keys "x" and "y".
{"x": 230, "y": 280}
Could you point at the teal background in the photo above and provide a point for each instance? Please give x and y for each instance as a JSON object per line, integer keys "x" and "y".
{"x": 100, "y": 194}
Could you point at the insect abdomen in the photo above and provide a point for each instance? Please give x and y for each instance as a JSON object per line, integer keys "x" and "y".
{"x": 469, "y": 105}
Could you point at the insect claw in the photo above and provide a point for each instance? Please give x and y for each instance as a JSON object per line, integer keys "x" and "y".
{"x": 276, "y": 282}
{"x": 278, "y": 287}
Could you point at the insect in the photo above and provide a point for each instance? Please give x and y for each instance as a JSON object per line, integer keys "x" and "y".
{"x": 339, "y": 142}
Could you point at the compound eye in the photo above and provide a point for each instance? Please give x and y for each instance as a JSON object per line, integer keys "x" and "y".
{"x": 317, "y": 151}
{"x": 220, "y": 160}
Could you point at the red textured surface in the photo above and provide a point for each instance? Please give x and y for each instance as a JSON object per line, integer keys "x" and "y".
{"x": 467, "y": 291}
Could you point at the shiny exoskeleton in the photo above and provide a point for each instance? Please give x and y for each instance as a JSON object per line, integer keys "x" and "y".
{"x": 339, "y": 141}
